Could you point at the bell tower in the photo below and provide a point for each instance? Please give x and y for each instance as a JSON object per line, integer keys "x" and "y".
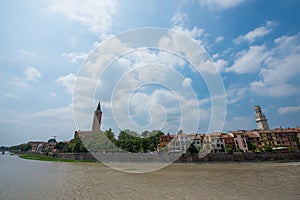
{"x": 97, "y": 119}
{"x": 261, "y": 121}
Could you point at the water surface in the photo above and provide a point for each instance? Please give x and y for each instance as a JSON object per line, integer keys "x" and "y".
{"x": 29, "y": 179}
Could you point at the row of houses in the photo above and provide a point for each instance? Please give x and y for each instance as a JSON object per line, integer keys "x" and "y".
{"x": 43, "y": 146}
{"x": 235, "y": 141}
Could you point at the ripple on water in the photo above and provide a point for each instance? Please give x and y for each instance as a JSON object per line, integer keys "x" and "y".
{"x": 27, "y": 179}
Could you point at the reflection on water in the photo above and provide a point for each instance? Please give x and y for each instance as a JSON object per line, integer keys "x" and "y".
{"x": 28, "y": 179}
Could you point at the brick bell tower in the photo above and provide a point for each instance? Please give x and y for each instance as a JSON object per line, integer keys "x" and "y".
{"x": 97, "y": 119}
{"x": 261, "y": 120}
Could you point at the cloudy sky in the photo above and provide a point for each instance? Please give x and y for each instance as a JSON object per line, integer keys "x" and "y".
{"x": 47, "y": 45}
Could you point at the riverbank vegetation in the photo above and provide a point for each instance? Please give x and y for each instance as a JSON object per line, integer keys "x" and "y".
{"x": 33, "y": 156}
{"x": 127, "y": 140}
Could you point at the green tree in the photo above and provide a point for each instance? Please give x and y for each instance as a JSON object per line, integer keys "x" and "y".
{"x": 251, "y": 147}
{"x": 192, "y": 149}
{"x": 228, "y": 149}
{"x": 110, "y": 135}
{"x": 76, "y": 145}
{"x": 62, "y": 147}
{"x": 291, "y": 149}
{"x": 268, "y": 148}
{"x": 22, "y": 147}
{"x": 52, "y": 140}
{"x": 145, "y": 134}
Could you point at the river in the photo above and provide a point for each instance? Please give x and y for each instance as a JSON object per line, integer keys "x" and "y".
{"x": 29, "y": 179}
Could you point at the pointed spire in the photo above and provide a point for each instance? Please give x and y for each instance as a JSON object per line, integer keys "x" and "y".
{"x": 99, "y": 106}
{"x": 97, "y": 119}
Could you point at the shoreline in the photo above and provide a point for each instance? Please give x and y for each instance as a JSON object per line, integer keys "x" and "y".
{"x": 31, "y": 156}
{"x": 209, "y": 159}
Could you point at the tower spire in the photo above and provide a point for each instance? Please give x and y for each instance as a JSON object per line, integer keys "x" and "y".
{"x": 261, "y": 120}
{"x": 99, "y": 106}
{"x": 97, "y": 119}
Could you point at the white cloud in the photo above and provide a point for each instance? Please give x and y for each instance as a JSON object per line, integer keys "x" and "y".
{"x": 68, "y": 82}
{"x": 75, "y": 56}
{"x": 235, "y": 94}
{"x": 26, "y": 53}
{"x": 255, "y": 34}
{"x": 9, "y": 95}
{"x": 187, "y": 82}
{"x": 179, "y": 19}
{"x": 48, "y": 122}
{"x": 55, "y": 113}
{"x": 215, "y": 56}
{"x": 278, "y": 77}
{"x": 277, "y": 66}
{"x": 193, "y": 50}
{"x": 289, "y": 109}
{"x": 249, "y": 61}
{"x": 219, "y": 39}
{"x": 32, "y": 74}
{"x": 194, "y": 33}
{"x": 220, "y": 64}
{"x": 273, "y": 89}
{"x": 145, "y": 84}
{"x": 239, "y": 122}
{"x": 52, "y": 94}
{"x": 17, "y": 81}
{"x": 220, "y": 4}
{"x": 93, "y": 14}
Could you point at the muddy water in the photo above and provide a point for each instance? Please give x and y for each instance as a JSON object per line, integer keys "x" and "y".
{"x": 27, "y": 179}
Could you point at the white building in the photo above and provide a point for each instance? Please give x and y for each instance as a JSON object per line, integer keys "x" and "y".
{"x": 213, "y": 143}
{"x": 181, "y": 142}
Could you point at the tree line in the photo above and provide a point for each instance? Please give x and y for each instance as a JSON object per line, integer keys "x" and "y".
{"x": 127, "y": 140}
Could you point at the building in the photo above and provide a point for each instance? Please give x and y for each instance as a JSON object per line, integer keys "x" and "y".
{"x": 229, "y": 143}
{"x": 37, "y": 146}
{"x": 213, "y": 143}
{"x": 261, "y": 120}
{"x": 164, "y": 140}
{"x": 197, "y": 140}
{"x": 239, "y": 140}
{"x": 180, "y": 142}
{"x": 277, "y": 139}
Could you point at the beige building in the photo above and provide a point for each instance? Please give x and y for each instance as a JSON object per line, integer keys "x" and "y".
{"x": 213, "y": 143}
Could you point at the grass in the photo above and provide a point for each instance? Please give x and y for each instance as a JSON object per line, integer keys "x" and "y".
{"x": 31, "y": 156}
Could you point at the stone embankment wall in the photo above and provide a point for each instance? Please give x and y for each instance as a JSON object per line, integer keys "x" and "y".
{"x": 218, "y": 157}
{"x": 243, "y": 157}
{"x": 75, "y": 156}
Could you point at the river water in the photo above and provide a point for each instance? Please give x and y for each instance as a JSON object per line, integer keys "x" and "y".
{"x": 29, "y": 179}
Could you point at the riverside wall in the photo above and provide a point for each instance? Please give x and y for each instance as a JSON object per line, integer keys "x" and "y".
{"x": 75, "y": 156}
{"x": 217, "y": 157}
{"x": 242, "y": 157}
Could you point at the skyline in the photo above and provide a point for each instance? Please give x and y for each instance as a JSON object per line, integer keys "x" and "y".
{"x": 255, "y": 45}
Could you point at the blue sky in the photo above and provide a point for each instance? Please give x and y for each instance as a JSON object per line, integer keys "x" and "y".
{"x": 255, "y": 45}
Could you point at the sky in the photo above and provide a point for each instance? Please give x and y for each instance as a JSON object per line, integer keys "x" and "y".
{"x": 210, "y": 62}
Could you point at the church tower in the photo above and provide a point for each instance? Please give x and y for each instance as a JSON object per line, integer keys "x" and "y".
{"x": 97, "y": 119}
{"x": 261, "y": 121}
